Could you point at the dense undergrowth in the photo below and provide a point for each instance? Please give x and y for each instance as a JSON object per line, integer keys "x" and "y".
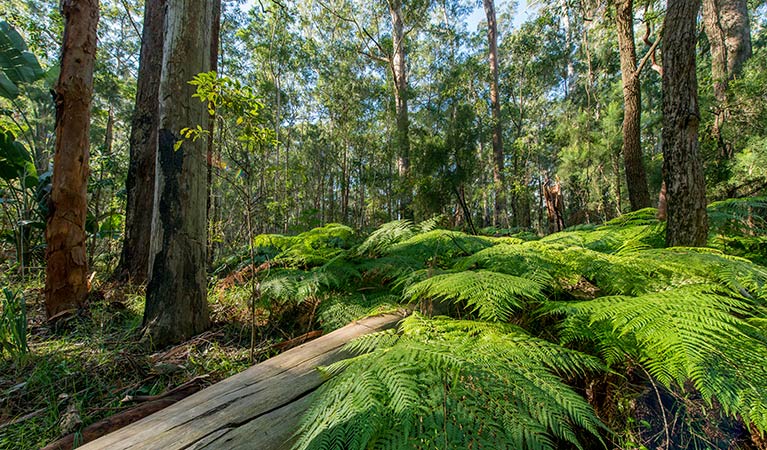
{"x": 590, "y": 338}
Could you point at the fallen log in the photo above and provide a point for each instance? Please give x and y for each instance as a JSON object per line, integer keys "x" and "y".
{"x": 122, "y": 419}
{"x": 257, "y": 408}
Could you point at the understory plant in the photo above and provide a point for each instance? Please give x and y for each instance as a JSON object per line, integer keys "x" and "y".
{"x": 508, "y": 330}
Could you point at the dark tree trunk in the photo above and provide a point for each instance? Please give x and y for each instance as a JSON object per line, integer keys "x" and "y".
{"x": 176, "y": 303}
{"x": 214, "y": 44}
{"x": 499, "y": 211}
{"x": 134, "y": 258}
{"x": 399, "y": 72}
{"x": 729, "y": 36}
{"x": 687, "y": 223}
{"x": 636, "y": 178}
{"x": 554, "y": 206}
{"x": 66, "y": 283}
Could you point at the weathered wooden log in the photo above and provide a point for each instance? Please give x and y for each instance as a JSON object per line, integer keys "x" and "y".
{"x": 150, "y": 405}
{"x": 257, "y": 408}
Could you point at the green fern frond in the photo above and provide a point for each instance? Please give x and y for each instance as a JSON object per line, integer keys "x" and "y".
{"x": 385, "y": 236}
{"x": 493, "y": 296}
{"x": 439, "y": 247}
{"x": 433, "y": 386}
{"x": 339, "y": 310}
{"x": 695, "y": 333}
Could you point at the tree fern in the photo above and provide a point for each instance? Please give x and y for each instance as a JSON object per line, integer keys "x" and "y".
{"x": 442, "y": 383}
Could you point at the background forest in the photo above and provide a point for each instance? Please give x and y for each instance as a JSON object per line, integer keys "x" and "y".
{"x": 496, "y": 166}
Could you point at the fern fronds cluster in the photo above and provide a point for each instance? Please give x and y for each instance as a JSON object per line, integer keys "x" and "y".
{"x": 443, "y": 383}
{"x": 693, "y": 333}
{"x": 689, "y": 317}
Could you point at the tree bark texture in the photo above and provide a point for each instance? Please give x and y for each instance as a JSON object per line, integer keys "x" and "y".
{"x": 729, "y": 36}
{"x": 687, "y": 223}
{"x": 134, "y": 258}
{"x": 636, "y": 177}
{"x": 66, "y": 284}
{"x": 499, "y": 211}
{"x": 176, "y": 304}
{"x": 399, "y": 72}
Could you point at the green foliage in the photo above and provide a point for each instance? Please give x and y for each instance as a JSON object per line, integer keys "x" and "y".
{"x": 443, "y": 383}
{"x": 695, "y": 332}
{"x": 13, "y": 324}
{"x": 690, "y": 317}
{"x": 493, "y": 296}
{"x": 17, "y": 65}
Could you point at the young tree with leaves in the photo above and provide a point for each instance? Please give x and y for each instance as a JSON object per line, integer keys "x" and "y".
{"x": 66, "y": 283}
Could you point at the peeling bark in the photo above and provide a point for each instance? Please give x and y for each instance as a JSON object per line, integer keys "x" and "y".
{"x": 66, "y": 283}
{"x": 176, "y": 303}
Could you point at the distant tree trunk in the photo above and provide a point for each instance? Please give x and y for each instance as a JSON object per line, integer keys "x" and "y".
{"x": 134, "y": 258}
{"x": 554, "y": 207}
{"x": 687, "y": 223}
{"x": 499, "y": 212}
{"x": 399, "y": 72}
{"x": 636, "y": 177}
{"x": 176, "y": 304}
{"x": 66, "y": 283}
{"x": 729, "y": 36}
{"x": 211, "y": 203}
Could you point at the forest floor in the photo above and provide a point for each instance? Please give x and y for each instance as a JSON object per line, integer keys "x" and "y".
{"x": 94, "y": 365}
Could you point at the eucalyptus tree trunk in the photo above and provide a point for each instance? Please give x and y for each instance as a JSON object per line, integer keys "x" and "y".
{"x": 134, "y": 258}
{"x": 636, "y": 177}
{"x": 176, "y": 303}
{"x": 499, "y": 211}
{"x": 399, "y": 72}
{"x": 66, "y": 282}
{"x": 687, "y": 223}
{"x": 729, "y": 36}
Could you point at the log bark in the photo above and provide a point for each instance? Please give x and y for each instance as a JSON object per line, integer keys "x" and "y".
{"x": 66, "y": 283}
{"x": 636, "y": 177}
{"x": 176, "y": 302}
{"x": 687, "y": 222}
{"x": 499, "y": 211}
{"x": 134, "y": 258}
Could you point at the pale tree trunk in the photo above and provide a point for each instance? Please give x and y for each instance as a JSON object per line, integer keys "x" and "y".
{"x": 66, "y": 282}
{"x": 499, "y": 211}
{"x": 134, "y": 258}
{"x": 687, "y": 223}
{"x": 176, "y": 304}
{"x": 399, "y": 72}
{"x": 729, "y": 36}
{"x": 636, "y": 177}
